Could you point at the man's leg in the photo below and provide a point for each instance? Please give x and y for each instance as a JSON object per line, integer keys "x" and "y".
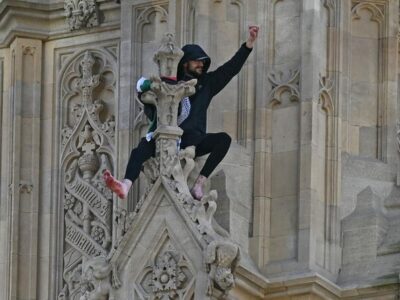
{"x": 217, "y": 144}
{"x": 139, "y": 155}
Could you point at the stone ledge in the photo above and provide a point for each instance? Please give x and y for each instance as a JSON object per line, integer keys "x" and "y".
{"x": 48, "y": 21}
{"x": 361, "y": 167}
{"x": 311, "y": 284}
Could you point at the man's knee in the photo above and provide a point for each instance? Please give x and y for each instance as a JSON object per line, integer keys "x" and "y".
{"x": 225, "y": 139}
{"x": 144, "y": 150}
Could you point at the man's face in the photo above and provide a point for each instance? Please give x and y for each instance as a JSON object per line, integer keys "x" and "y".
{"x": 194, "y": 67}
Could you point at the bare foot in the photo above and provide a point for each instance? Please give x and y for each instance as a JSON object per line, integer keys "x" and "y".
{"x": 121, "y": 188}
{"x": 197, "y": 189}
{"x": 197, "y": 193}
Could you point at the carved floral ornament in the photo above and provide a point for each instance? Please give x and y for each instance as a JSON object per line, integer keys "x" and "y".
{"x": 166, "y": 277}
{"x": 81, "y": 13}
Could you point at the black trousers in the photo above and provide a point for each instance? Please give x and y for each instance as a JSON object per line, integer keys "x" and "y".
{"x": 217, "y": 144}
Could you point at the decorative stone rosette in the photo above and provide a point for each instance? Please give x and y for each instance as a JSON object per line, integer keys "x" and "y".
{"x": 167, "y": 277}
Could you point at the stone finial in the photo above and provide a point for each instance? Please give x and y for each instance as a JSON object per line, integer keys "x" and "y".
{"x": 166, "y": 97}
{"x": 88, "y": 81}
{"x": 168, "y": 56}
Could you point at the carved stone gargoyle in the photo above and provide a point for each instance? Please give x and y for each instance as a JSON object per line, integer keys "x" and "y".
{"x": 222, "y": 258}
{"x": 99, "y": 277}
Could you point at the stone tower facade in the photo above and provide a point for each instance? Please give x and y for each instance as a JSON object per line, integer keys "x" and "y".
{"x": 306, "y": 205}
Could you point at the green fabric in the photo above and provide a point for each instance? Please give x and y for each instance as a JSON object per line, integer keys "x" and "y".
{"x": 145, "y": 85}
{"x": 153, "y": 125}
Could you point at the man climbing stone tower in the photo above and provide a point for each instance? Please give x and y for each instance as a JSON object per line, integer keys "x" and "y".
{"x": 201, "y": 267}
{"x": 193, "y": 65}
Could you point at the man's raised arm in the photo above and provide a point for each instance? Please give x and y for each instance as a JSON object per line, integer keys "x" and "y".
{"x": 223, "y": 74}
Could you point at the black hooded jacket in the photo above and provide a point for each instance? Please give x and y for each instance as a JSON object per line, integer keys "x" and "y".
{"x": 208, "y": 85}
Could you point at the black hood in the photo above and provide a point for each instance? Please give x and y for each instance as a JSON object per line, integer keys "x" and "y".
{"x": 193, "y": 52}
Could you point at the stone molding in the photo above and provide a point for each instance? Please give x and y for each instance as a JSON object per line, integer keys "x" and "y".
{"x": 24, "y": 165}
{"x": 378, "y": 10}
{"x": 1, "y": 107}
{"x": 47, "y": 21}
{"x": 398, "y": 150}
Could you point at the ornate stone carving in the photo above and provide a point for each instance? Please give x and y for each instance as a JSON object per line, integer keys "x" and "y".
{"x": 28, "y": 50}
{"x": 222, "y": 258}
{"x": 151, "y": 169}
{"x": 325, "y": 93}
{"x": 167, "y": 150}
{"x": 99, "y": 277}
{"x": 167, "y": 276}
{"x": 81, "y": 13}
{"x": 167, "y": 97}
{"x": 284, "y": 82}
{"x": 376, "y": 10}
{"x": 186, "y": 157}
{"x": 121, "y": 222}
{"x": 25, "y": 187}
{"x": 87, "y": 147}
{"x": 167, "y": 57}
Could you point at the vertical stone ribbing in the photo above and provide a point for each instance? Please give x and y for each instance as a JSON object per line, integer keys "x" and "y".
{"x": 390, "y": 83}
{"x": 283, "y": 136}
{"x": 4, "y": 216}
{"x": 25, "y": 160}
{"x": 151, "y": 22}
{"x": 261, "y": 196}
{"x": 1, "y": 105}
{"x": 325, "y": 133}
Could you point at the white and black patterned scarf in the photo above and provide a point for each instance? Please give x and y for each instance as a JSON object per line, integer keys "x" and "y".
{"x": 185, "y": 110}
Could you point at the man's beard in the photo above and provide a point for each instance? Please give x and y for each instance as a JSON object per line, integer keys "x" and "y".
{"x": 196, "y": 73}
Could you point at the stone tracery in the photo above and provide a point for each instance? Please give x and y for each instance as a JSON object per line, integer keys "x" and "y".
{"x": 87, "y": 149}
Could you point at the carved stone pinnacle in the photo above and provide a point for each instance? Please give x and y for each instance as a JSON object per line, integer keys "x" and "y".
{"x": 168, "y": 56}
{"x": 166, "y": 98}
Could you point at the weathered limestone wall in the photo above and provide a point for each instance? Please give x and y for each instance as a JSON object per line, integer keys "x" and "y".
{"x": 41, "y": 92}
{"x": 309, "y": 188}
